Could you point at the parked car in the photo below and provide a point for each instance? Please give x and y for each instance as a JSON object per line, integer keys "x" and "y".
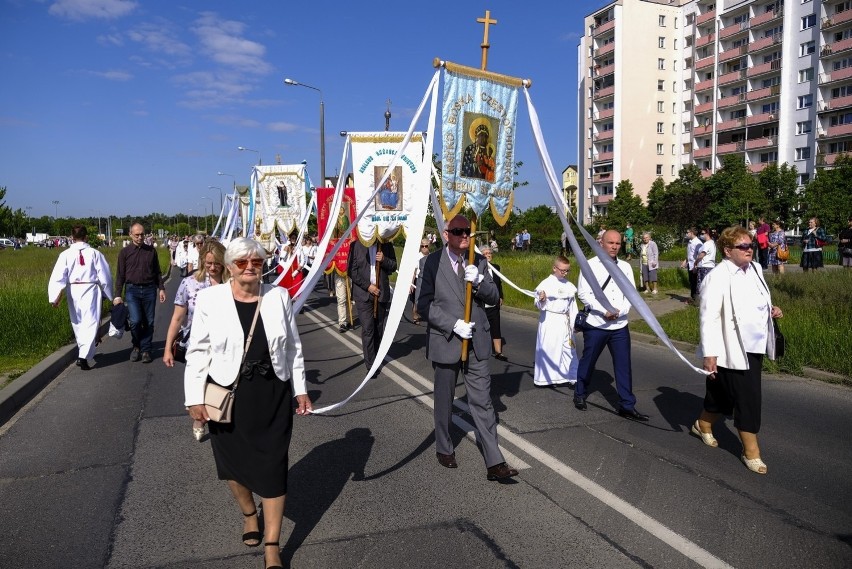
{"x": 6, "y": 243}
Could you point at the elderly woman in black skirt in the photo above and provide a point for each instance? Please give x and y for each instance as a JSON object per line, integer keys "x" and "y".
{"x": 812, "y": 242}
{"x": 251, "y": 452}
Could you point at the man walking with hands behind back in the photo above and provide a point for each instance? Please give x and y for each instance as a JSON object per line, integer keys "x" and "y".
{"x": 607, "y": 329}
{"x": 442, "y": 304}
{"x": 139, "y": 273}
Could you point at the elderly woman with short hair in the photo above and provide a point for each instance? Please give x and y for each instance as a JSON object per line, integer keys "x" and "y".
{"x": 251, "y": 452}
{"x": 736, "y": 331}
{"x": 649, "y": 256}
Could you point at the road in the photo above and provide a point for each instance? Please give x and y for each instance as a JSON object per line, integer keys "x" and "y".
{"x": 101, "y": 470}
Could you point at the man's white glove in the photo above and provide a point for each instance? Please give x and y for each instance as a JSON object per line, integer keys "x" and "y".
{"x": 464, "y": 329}
{"x": 471, "y": 275}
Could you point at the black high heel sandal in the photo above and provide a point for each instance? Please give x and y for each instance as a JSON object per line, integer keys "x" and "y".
{"x": 253, "y": 536}
{"x": 267, "y": 544}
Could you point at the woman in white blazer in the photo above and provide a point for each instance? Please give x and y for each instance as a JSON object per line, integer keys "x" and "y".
{"x": 251, "y": 451}
{"x": 736, "y": 331}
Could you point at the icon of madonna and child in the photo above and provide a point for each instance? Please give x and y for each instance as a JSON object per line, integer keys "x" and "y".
{"x": 389, "y": 197}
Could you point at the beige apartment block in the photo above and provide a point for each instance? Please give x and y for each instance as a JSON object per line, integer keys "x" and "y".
{"x": 667, "y": 83}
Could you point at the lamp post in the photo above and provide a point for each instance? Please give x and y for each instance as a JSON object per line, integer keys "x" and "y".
{"x": 221, "y": 201}
{"x": 289, "y": 81}
{"x": 231, "y": 175}
{"x": 56, "y": 206}
{"x": 29, "y": 217}
{"x": 259, "y": 158}
{"x": 211, "y": 211}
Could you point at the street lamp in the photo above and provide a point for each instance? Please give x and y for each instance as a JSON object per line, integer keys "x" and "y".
{"x": 29, "y": 217}
{"x": 289, "y": 81}
{"x": 56, "y": 205}
{"x": 259, "y": 158}
{"x": 231, "y": 175}
{"x": 221, "y": 201}
{"x": 211, "y": 211}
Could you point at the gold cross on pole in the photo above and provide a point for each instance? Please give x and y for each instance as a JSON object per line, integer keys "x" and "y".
{"x": 485, "y": 45}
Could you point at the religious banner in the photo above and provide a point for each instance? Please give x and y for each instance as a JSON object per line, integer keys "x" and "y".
{"x": 477, "y": 168}
{"x": 280, "y": 200}
{"x": 387, "y": 211}
{"x": 338, "y": 223}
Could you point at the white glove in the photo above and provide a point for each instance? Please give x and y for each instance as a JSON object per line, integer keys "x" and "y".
{"x": 471, "y": 275}
{"x": 464, "y": 329}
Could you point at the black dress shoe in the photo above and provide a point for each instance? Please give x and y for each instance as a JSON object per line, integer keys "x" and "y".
{"x": 447, "y": 460}
{"x": 501, "y": 357}
{"x": 580, "y": 403}
{"x": 83, "y": 364}
{"x": 501, "y": 471}
{"x": 342, "y": 329}
{"x": 135, "y": 355}
{"x": 632, "y": 414}
{"x": 146, "y": 358}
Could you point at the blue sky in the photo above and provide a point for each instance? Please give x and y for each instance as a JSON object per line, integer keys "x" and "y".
{"x": 119, "y": 107}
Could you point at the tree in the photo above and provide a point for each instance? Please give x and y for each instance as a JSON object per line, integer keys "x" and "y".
{"x": 829, "y": 195}
{"x": 779, "y": 187}
{"x": 685, "y": 200}
{"x": 656, "y": 199}
{"x": 735, "y": 196}
{"x": 5, "y": 214}
{"x": 625, "y": 207}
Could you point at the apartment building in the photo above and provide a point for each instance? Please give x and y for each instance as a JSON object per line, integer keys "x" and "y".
{"x": 668, "y": 83}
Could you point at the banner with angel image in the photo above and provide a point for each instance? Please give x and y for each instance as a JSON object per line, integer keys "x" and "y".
{"x": 477, "y": 168}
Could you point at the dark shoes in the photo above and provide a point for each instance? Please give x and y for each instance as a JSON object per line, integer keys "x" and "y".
{"x": 146, "y": 358}
{"x": 135, "y": 355}
{"x": 447, "y": 460}
{"x": 343, "y": 328}
{"x": 580, "y": 403}
{"x": 83, "y": 364}
{"x": 632, "y": 414}
{"x": 501, "y": 357}
{"x": 501, "y": 471}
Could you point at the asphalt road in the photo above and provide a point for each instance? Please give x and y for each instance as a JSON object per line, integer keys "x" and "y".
{"x": 101, "y": 470}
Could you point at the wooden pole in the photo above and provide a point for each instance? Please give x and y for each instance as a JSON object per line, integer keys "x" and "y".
{"x": 349, "y": 302}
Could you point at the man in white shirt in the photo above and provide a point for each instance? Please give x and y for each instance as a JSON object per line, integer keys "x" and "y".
{"x": 607, "y": 329}
{"x": 693, "y": 244}
{"x": 192, "y": 256}
{"x": 705, "y": 258}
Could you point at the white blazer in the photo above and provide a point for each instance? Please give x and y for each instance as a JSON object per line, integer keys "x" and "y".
{"x": 717, "y": 315}
{"x": 216, "y": 343}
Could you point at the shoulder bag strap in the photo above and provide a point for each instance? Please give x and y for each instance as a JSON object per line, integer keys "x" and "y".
{"x": 250, "y": 336}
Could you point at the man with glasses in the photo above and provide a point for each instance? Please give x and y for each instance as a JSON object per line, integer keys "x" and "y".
{"x": 139, "y": 273}
{"x": 607, "y": 329}
{"x": 693, "y": 244}
{"x": 442, "y": 304}
{"x": 555, "y": 353}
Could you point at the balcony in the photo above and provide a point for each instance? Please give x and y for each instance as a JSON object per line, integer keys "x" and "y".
{"x": 762, "y": 19}
{"x": 836, "y": 20}
{"x": 706, "y": 172}
{"x": 827, "y": 159}
{"x": 765, "y": 142}
{"x": 732, "y": 100}
{"x": 732, "y": 77}
{"x": 602, "y": 177}
{"x": 702, "y": 129}
{"x": 704, "y": 62}
{"x": 763, "y": 68}
{"x": 605, "y": 70}
{"x": 761, "y": 118}
{"x": 704, "y": 40}
{"x": 730, "y": 147}
{"x": 758, "y": 94}
{"x": 604, "y": 114}
{"x": 836, "y": 47}
{"x": 601, "y": 51}
{"x": 605, "y": 92}
{"x": 734, "y": 29}
{"x": 839, "y": 130}
{"x": 733, "y": 53}
{"x": 759, "y": 167}
{"x": 704, "y": 85}
{"x": 833, "y": 76}
{"x": 731, "y": 124}
{"x": 705, "y": 17}
{"x": 604, "y": 135}
{"x": 703, "y": 152}
{"x": 603, "y": 28}
{"x": 603, "y": 157}
{"x": 704, "y": 107}
{"x": 837, "y": 103}
{"x": 600, "y": 200}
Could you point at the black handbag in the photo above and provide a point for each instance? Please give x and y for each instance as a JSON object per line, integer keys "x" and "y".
{"x": 179, "y": 348}
{"x": 780, "y": 342}
{"x": 580, "y": 319}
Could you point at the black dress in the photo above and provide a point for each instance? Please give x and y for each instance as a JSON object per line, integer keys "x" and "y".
{"x": 253, "y": 448}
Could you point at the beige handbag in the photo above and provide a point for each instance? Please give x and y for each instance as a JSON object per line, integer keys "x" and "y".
{"x": 218, "y": 400}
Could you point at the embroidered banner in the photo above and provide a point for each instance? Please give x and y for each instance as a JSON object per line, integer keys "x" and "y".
{"x": 387, "y": 211}
{"x": 339, "y": 224}
{"x": 478, "y": 162}
{"x": 280, "y": 199}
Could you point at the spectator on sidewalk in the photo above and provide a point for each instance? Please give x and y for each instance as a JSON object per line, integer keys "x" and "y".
{"x": 649, "y": 255}
{"x": 693, "y": 244}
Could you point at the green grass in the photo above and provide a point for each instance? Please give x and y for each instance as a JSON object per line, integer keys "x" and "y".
{"x": 32, "y": 329}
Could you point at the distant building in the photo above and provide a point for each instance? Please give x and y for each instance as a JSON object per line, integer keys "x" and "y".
{"x": 665, "y": 83}
{"x": 569, "y": 187}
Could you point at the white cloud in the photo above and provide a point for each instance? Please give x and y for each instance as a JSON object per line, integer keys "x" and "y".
{"x": 282, "y": 127}
{"x": 222, "y": 41}
{"x": 80, "y": 10}
{"x": 112, "y": 75}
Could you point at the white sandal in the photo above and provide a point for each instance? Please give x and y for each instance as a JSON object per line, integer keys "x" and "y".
{"x": 707, "y": 438}
{"x": 754, "y": 464}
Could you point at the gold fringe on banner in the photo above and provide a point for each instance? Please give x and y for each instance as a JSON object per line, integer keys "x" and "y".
{"x": 480, "y": 74}
{"x": 383, "y": 137}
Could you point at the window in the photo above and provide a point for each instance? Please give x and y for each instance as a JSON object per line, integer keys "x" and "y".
{"x": 673, "y": 170}
{"x": 659, "y": 169}
{"x": 661, "y": 63}
{"x": 844, "y": 35}
{"x": 806, "y": 75}
{"x": 674, "y": 108}
{"x": 841, "y": 91}
{"x": 769, "y": 108}
{"x": 674, "y": 128}
{"x": 659, "y": 128}
{"x": 766, "y": 157}
{"x": 675, "y": 41}
{"x": 841, "y": 63}
{"x": 660, "y": 149}
{"x": 803, "y": 153}
{"x": 662, "y": 21}
{"x": 661, "y": 42}
{"x": 805, "y": 101}
{"x": 807, "y": 48}
{"x": 675, "y": 25}
{"x": 804, "y": 127}
{"x": 803, "y": 178}
{"x": 674, "y": 149}
{"x": 660, "y": 85}
{"x": 674, "y": 86}
{"x": 660, "y": 107}
{"x": 770, "y": 82}
{"x": 843, "y": 118}
{"x": 808, "y": 21}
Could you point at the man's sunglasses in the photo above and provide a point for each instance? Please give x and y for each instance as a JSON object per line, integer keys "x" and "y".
{"x": 459, "y": 231}
{"x": 243, "y": 263}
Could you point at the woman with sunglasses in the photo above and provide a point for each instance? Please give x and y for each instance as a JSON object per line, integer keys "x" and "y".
{"x": 251, "y": 452}
{"x": 211, "y": 272}
{"x": 736, "y": 331}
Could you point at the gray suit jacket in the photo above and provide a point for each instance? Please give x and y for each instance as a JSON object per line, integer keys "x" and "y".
{"x": 441, "y": 304}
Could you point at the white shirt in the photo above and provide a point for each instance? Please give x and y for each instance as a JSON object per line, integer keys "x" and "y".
{"x": 709, "y": 260}
{"x": 612, "y": 292}
{"x": 751, "y": 307}
{"x": 692, "y": 248}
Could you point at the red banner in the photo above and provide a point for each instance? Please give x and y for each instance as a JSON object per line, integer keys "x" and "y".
{"x": 339, "y": 223}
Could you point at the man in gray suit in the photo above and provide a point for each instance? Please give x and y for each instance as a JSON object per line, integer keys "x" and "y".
{"x": 441, "y": 303}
